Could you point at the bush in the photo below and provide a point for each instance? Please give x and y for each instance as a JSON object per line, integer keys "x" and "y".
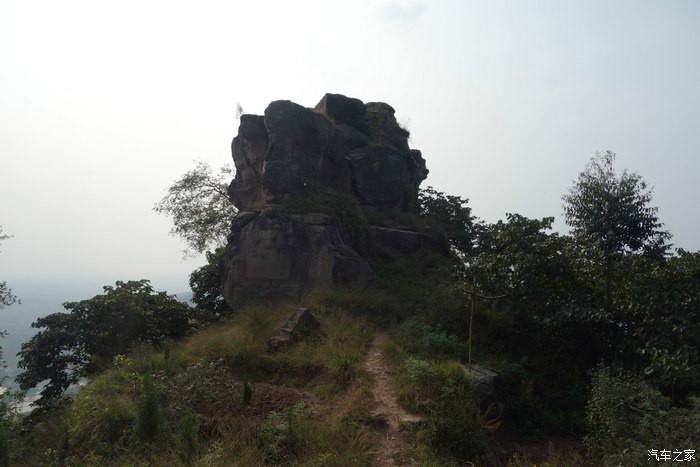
{"x": 279, "y": 437}
{"x": 421, "y": 382}
{"x": 187, "y": 432}
{"x": 422, "y": 339}
{"x": 627, "y": 418}
{"x": 150, "y": 418}
{"x": 4, "y": 447}
{"x": 455, "y": 427}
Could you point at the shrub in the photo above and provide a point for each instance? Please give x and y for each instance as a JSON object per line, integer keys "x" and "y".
{"x": 455, "y": 427}
{"x": 150, "y": 418}
{"x": 279, "y": 437}
{"x": 247, "y": 393}
{"x": 627, "y": 418}
{"x": 423, "y": 339}
{"x": 187, "y": 432}
{"x": 420, "y": 382}
{"x": 4, "y": 447}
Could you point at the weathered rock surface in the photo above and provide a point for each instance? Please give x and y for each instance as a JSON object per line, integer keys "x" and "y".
{"x": 249, "y": 148}
{"x": 407, "y": 241}
{"x": 305, "y": 151}
{"x": 342, "y": 145}
{"x": 300, "y": 323}
{"x": 274, "y": 254}
{"x": 485, "y": 395}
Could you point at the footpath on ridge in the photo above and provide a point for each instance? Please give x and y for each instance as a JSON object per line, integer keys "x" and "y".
{"x": 392, "y": 447}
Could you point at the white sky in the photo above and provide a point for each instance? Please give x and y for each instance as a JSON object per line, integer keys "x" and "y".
{"x": 103, "y": 104}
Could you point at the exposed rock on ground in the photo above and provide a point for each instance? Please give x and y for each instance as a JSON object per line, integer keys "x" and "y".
{"x": 300, "y": 323}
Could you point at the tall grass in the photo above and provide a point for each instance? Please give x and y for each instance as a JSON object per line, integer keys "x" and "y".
{"x": 193, "y": 402}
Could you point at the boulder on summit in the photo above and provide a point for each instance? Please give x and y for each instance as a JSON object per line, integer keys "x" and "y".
{"x": 292, "y": 152}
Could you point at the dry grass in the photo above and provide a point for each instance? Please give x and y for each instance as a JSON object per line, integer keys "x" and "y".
{"x": 308, "y": 404}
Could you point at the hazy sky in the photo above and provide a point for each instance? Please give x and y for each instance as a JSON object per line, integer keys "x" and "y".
{"x": 103, "y": 104}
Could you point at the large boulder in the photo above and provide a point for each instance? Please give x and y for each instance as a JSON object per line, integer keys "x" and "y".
{"x": 306, "y": 151}
{"x": 342, "y": 144}
{"x": 386, "y": 177}
{"x": 292, "y": 153}
{"x": 274, "y": 254}
{"x": 299, "y": 324}
{"x": 288, "y": 152}
{"x": 249, "y": 149}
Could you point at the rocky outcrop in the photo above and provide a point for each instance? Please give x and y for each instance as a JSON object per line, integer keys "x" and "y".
{"x": 407, "y": 241}
{"x": 290, "y": 153}
{"x": 342, "y": 143}
{"x": 274, "y": 254}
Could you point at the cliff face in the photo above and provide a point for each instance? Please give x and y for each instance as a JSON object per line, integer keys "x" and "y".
{"x": 342, "y": 145}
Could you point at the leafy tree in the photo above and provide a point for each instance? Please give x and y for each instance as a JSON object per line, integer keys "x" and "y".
{"x": 541, "y": 311}
{"x": 199, "y": 205}
{"x": 205, "y": 283}
{"x": 451, "y": 216}
{"x": 7, "y": 298}
{"x": 661, "y": 322}
{"x": 72, "y": 345}
{"x": 610, "y": 217}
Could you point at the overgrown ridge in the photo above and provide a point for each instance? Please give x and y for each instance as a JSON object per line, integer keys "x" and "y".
{"x": 391, "y": 443}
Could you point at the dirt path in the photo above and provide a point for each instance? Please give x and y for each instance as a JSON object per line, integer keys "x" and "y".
{"x": 391, "y": 444}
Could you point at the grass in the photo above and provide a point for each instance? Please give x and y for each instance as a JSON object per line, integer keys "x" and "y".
{"x": 219, "y": 398}
{"x": 195, "y": 401}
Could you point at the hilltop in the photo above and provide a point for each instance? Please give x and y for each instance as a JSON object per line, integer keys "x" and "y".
{"x": 437, "y": 339}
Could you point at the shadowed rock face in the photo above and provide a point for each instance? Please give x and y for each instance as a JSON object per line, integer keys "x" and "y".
{"x": 342, "y": 144}
{"x": 273, "y": 254}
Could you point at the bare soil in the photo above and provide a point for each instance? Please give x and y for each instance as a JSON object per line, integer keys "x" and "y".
{"x": 391, "y": 420}
{"x": 272, "y": 398}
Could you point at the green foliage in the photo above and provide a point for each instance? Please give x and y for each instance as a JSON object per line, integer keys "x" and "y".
{"x": 542, "y": 400}
{"x": 441, "y": 390}
{"x": 4, "y": 447}
{"x": 627, "y": 417}
{"x": 456, "y": 427}
{"x": 420, "y": 338}
{"x": 611, "y": 213}
{"x": 450, "y": 216}
{"x": 247, "y": 395}
{"x": 282, "y": 438}
{"x": 206, "y": 283}
{"x": 421, "y": 381}
{"x": 544, "y": 300}
{"x": 187, "y": 434}
{"x": 74, "y": 344}
{"x": 149, "y": 418}
{"x": 201, "y": 386}
{"x": 343, "y": 364}
{"x": 661, "y": 303}
{"x": 611, "y": 218}
{"x": 102, "y": 416}
{"x": 7, "y": 298}
{"x": 199, "y": 205}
